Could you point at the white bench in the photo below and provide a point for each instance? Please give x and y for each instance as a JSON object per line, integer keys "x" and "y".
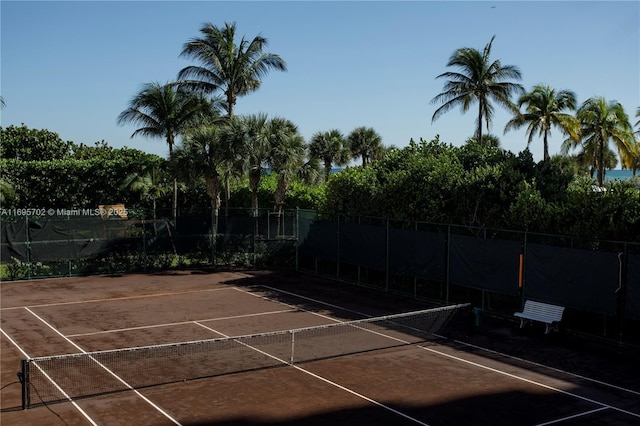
{"x": 545, "y": 313}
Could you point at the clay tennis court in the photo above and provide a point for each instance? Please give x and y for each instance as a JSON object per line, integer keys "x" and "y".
{"x": 452, "y": 378}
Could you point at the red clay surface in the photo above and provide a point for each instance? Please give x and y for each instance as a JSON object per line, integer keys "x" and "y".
{"x": 492, "y": 375}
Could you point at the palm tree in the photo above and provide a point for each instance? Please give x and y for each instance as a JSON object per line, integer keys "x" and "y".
{"x": 286, "y": 156}
{"x": 364, "y": 142}
{"x": 151, "y": 184}
{"x": 2, "y": 103}
{"x": 248, "y": 135}
{"x": 205, "y": 151}
{"x": 330, "y": 148}
{"x": 636, "y": 163}
{"x": 544, "y": 109}
{"x": 600, "y": 122}
{"x": 286, "y": 159}
{"x": 164, "y": 110}
{"x": 585, "y": 159}
{"x": 236, "y": 69}
{"x": 478, "y": 80}
{"x": 489, "y": 139}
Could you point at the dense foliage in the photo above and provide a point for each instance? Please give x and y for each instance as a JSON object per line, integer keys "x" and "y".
{"x": 485, "y": 187}
{"x": 47, "y": 172}
{"x": 474, "y": 185}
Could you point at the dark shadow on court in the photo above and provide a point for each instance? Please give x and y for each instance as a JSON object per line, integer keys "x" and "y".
{"x": 583, "y": 355}
{"x": 499, "y": 409}
{"x": 345, "y": 301}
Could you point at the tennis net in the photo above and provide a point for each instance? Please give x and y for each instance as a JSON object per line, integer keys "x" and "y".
{"x": 72, "y": 376}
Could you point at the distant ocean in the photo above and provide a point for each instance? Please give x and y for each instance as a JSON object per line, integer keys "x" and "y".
{"x": 619, "y": 174}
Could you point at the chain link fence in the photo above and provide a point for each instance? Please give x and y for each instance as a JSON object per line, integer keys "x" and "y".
{"x": 81, "y": 243}
{"x": 496, "y": 270}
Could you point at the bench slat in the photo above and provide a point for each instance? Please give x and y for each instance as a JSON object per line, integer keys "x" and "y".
{"x": 541, "y": 312}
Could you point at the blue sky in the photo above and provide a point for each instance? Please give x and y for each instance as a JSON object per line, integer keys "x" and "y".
{"x": 72, "y": 67}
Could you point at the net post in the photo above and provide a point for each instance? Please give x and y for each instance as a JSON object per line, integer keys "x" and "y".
{"x": 23, "y": 377}
{"x": 293, "y": 341}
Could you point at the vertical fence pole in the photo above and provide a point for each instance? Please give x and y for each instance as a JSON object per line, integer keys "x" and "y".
{"x": 523, "y": 282}
{"x": 213, "y": 236}
{"x": 69, "y": 261}
{"x": 27, "y": 245}
{"x": 386, "y": 255}
{"x": 415, "y": 277}
{"x": 297, "y": 234}
{"x": 338, "y": 237}
{"x": 447, "y": 262}
{"x": 144, "y": 243}
{"x": 621, "y": 291}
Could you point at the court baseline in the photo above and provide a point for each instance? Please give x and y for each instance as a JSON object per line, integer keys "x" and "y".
{"x": 164, "y": 413}
{"x": 602, "y": 405}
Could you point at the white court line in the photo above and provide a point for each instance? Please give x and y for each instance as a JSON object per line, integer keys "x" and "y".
{"x": 44, "y": 305}
{"x": 170, "y": 324}
{"x": 164, "y": 413}
{"x": 303, "y": 297}
{"x": 603, "y": 405}
{"x": 533, "y": 382}
{"x": 460, "y": 342}
{"x": 568, "y": 373}
{"x": 26, "y": 355}
{"x": 298, "y": 307}
{"x": 586, "y": 413}
{"x": 372, "y": 401}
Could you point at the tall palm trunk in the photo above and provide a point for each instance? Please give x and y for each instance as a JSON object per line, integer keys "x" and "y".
{"x": 213, "y": 190}
{"x": 254, "y": 183}
{"x": 231, "y": 101}
{"x": 327, "y": 170}
{"x": 601, "y": 149}
{"x": 546, "y": 145}
{"x": 170, "y": 142}
{"x": 280, "y": 196}
{"x": 479, "y": 136}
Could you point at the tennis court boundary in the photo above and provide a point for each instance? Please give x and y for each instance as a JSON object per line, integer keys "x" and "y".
{"x": 424, "y": 322}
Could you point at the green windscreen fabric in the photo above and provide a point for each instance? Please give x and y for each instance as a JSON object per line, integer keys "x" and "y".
{"x": 633, "y": 287}
{"x": 484, "y": 263}
{"x": 318, "y": 238}
{"x": 417, "y": 253}
{"x": 362, "y": 244}
{"x": 13, "y": 237}
{"x": 580, "y": 279}
{"x": 56, "y": 240}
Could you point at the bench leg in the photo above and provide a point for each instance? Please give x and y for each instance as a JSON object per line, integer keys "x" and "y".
{"x": 521, "y": 322}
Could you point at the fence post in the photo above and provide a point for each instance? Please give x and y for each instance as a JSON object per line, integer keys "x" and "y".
{"x": 69, "y": 261}
{"x": 297, "y": 234}
{"x": 27, "y": 245}
{"x": 386, "y": 255}
{"x": 144, "y": 242}
{"x": 415, "y": 278}
{"x": 623, "y": 258}
{"x": 447, "y": 263}
{"x": 523, "y": 280}
{"x": 213, "y": 235}
{"x": 338, "y": 237}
